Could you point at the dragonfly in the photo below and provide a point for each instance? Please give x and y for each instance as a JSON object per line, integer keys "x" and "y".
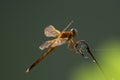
{"x": 60, "y": 39}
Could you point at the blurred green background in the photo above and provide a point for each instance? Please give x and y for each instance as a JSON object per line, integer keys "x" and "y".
{"x": 22, "y": 23}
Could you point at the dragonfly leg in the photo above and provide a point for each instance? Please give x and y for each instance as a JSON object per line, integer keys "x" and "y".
{"x": 70, "y": 46}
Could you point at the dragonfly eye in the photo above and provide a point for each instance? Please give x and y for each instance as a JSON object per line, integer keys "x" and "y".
{"x": 73, "y": 31}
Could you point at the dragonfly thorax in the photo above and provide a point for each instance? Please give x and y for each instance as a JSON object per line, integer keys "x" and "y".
{"x": 68, "y": 34}
{"x": 65, "y": 35}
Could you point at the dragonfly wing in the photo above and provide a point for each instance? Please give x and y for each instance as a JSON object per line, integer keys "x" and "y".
{"x": 47, "y": 44}
{"x": 59, "y": 42}
{"x": 50, "y": 31}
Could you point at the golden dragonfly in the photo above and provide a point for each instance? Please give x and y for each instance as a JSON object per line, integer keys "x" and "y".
{"x": 61, "y": 38}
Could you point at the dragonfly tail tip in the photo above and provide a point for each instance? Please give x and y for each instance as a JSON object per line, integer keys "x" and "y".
{"x": 27, "y": 70}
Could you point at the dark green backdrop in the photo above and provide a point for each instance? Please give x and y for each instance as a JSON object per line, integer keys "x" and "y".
{"x": 21, "y": 32}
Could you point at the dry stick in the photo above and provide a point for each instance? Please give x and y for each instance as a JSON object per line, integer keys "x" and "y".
{"x": 94, "y": 60}
{"x": 40, "y": 58}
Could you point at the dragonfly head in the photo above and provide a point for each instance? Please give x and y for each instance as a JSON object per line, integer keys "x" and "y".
{"x": 73, "y": 31}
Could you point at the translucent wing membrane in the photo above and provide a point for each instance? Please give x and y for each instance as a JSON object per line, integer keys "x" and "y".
{"x": 53, "y": 43}
{"x": 50, "y": 31}
{"x": 46, "y": 44}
